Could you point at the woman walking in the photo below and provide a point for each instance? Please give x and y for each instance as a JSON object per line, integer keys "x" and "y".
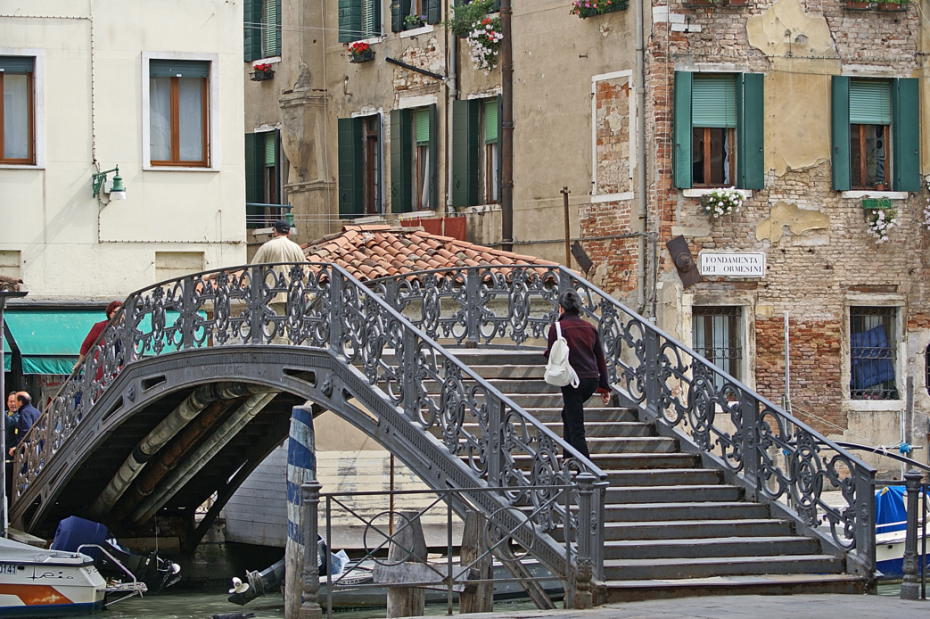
{"x": 586, "y": 356}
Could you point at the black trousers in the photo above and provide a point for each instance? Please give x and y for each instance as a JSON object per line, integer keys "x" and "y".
{"x": 573, "y": 413}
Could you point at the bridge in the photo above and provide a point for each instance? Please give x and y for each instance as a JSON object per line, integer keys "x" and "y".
{"x": 695, "y": 481}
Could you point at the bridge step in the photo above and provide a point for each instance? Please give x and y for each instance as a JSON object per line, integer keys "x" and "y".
{"x": 596, "y": 414}
{"x": 762, "y": 584}
{"x": 678, "y": 494}
{"x": 696, "y": 529}
{"x": 592, "y": 429}
{"x": 663, "y": 477}
{"x": 710, "y": 547}
{"x": 729, "y": 511}
{"x": 705, "y": 567}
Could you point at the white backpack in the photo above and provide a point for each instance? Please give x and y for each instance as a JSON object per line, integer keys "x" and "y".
{"x": 558, "y": 371}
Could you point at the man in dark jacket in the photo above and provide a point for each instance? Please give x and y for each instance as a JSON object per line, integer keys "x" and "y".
{"x": 28, "y": 415}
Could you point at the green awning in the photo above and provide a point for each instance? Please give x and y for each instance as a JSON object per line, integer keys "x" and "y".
{"x": 50, "y": 341}
{"x": 6, "y": 354}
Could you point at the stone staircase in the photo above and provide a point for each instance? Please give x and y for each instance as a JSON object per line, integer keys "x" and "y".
{"x": 672, "y": 528}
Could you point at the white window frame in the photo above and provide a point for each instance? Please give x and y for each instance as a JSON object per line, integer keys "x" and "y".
{"x": 213, "y": 123}
{"x": 38, "y": 102}
{"x": 899, "y": 302}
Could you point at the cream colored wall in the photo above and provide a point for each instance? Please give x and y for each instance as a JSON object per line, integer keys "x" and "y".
{"x": 71, "y": 247}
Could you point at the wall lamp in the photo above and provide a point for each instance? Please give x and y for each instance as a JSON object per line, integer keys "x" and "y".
{"x": 117, "y": 191}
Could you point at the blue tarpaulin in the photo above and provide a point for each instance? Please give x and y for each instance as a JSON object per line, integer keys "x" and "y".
{"x": 871, "y": 358}
{"x": 890, "y": 512}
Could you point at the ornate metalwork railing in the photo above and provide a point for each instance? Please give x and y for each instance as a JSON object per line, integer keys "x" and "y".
{"x": 485, "y": 437}
{"x": 776, "y": 457}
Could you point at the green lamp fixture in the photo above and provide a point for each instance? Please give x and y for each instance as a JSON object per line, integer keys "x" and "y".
{"x": 117, "y": 190}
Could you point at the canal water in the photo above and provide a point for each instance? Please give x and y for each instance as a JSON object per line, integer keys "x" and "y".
{"x": 188, "y": 604}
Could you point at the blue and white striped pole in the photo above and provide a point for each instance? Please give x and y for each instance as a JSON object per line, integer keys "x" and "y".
{"x": 301, "y": 468}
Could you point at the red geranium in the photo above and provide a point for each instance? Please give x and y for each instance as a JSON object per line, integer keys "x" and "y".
{"x": 359, "y": 47}
{"x": 264, "y": 67}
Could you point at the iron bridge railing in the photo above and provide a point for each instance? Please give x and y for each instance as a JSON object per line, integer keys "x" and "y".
{"x": 487, "y": 440}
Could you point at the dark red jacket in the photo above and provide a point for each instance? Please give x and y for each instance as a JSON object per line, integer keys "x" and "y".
{"x": 585, "y": 354}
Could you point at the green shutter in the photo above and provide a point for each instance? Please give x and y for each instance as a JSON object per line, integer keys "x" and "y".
{"x": 500, "y": 161}
{"x": 496, "y": 7}
{"x": 465, "y": 145}
{"x": 252, "y": 22}
{"x": 840, "y": 129}
{"x": 371, "y": 18}
{"x": 869, "y": 103}
{"x": 905, "y": 141}
{"x": 271, "y": 28}
{"x": 271, "y": 149}
{"x": 351, "y": 173}
{"x": 422, "y": 120}
{"x": 397, "y": 15}
{"x": 16, "y": 64}
{"x": 681, "y": 153}
{"x": 350, "y": 20}
{"x": 433, "y": 118}
{"x": 254, "y": 176}
{"x": 401, "y": 153}
{"x": 750, "y": 132}
{"x": 433, "y": 11}
{"x": 713, "y": 101}
{"x": 179, "y": 68}
{"x": 491, "y": 122}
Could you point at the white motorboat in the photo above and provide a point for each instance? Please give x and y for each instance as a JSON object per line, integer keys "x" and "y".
{"x": 47, "y": 583}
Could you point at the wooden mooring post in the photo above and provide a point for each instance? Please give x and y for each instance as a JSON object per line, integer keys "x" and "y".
{"x": 481, "y": 598}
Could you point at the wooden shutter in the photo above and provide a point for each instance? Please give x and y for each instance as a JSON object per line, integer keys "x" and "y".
{"x": 869, "y": 102}
{"x": 350, "y": 20}
{"x": 681, "y": 131}
{"x": 17, "y": 64}
{"x": 750, "y": 131}
{"x": 397, "y": 15}
{"x": 271, "y": 26}
{"x": 351, "y": 174}
{"x": 401, "y": 153}
{"x": 433, "y": 11}
{"x": 840, "y": 133}
{"x": 252, "y": 31}
{"x": 465, "y": 145}
{"x": 433, "y": 115}
{"x": 500, "y": 151}
{"x": 905, "y": 127}
{"x": 254, "y": 177}
{"x": 371, "y": 18}
{"x": 713, "y": 101}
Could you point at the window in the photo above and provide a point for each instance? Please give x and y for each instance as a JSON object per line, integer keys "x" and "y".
{"x": 717, "y": 336}
{"x": 265, "y": 167}
{"x": 409, "y": 14}
{"x": 875, "y": 134}
{"x": 359, "y": 19}
{"x": 718, "y": 130}
{"x": 360, "y": 175}
{"x": 872, "y": 350}
{"x": 262, "y": 29}
{"x": 178, "y": 112}
{"x": 476, "y": 172}
{"x": 17, "y": 129}
{"x": 414, "y": 150}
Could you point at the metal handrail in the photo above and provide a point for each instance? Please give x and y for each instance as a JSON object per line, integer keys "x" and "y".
{"x": 321, "y": 306}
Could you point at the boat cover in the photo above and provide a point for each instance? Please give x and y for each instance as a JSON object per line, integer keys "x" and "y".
{"x": 74, "y": 531}
{"x": 890, "y": 512}
{"x": 16, "y": 552}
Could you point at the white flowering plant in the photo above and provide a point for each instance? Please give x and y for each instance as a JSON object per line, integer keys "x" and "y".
{"x": 485, "y": 43}
{"x": 880, "y": 222}
{"x": 722, "y": 201}
{"x": 926, "y": 222}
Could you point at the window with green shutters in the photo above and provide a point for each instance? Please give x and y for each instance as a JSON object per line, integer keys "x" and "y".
{"x": 263, "y": 179}
{"x": 409, "y": 14}
{"x": 492, "y": 167}
{"x": 718, "y": 130}
{"x": 360, "y": 177}
{"x": 271, "y": 28}
{"x": 476, "y": 127}
{"x": 359, "y": 19}
{"x": 414, "y": 152}
{"x": 875, "y": 128}
{"x": 252, "y": 30}
{"x": 17, "y": 123}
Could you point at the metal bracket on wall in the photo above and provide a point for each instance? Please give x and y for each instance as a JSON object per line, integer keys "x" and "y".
{"x": 415, "y": 69}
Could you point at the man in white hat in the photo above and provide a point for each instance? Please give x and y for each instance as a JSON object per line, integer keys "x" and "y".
{"x": 280, "y": 249}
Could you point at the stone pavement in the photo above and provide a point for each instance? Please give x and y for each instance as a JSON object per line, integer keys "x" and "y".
{"x": 741, "y": 607}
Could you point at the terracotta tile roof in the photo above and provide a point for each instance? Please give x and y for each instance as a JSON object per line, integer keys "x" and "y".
{"x": 373, "y": 251}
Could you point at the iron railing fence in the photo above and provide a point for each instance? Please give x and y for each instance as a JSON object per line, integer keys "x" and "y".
{"x": 486, "y": 439}
{"x": 493, "y": 541}
{"x": 775, "y": 456}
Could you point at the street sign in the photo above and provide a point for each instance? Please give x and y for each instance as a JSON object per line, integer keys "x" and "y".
{"x": 732, "y": 264}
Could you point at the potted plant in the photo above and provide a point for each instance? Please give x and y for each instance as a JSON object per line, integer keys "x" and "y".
{"x": 737, "y": 2}
{"x": 691, "y": 4}
{"x": 262, "y": 72}
{"x": 360, "y": 51}
{"x": 473, "y": 22}
{"x": 857, "y": 5}
{"x": 892, "y": 5}
{"x": 722, "y": 201}
{"x": 590, "y": 8}
{"x": 414, "y": 21}
{"x": 880, "y": 222}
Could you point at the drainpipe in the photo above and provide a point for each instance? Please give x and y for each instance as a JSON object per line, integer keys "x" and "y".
{"x": 506, "y": 56}
{"x": 641, "y": 146}
{"x": 193, "y": 465}
{"x": 158, "y": 437}
{"x": 452, "y": 93}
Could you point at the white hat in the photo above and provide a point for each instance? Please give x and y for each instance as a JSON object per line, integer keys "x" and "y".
{"x": 238, "y": 586}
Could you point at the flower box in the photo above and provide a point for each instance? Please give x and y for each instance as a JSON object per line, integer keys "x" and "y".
{"x": 366, "y": 56}
{"x": 592, "y": 8}
{"x": 737, "y": 2}
{"x": 876, "y": 203}
{"x": 858, "y": 6}
{"x": 261, "y": 76}
{"x": 892, "y": 7}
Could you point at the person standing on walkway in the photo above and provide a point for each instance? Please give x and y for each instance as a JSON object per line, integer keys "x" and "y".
{"x": 586, "y": 356}
{"x": 280, "y": 249}
{"x": 12, "y": 418}
{"x": 28, "y": 415}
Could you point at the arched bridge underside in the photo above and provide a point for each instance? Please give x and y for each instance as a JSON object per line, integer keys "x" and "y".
{"x": 192, "y": 384}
